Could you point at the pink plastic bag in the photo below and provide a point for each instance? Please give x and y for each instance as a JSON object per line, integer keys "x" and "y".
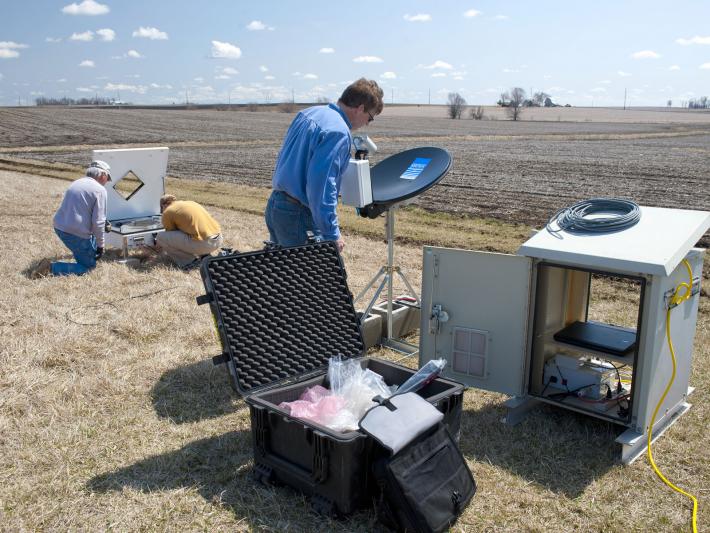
{"x": 316, "y": 404}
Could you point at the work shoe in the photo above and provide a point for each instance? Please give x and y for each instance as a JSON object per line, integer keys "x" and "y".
{"x": 42, "y": 270}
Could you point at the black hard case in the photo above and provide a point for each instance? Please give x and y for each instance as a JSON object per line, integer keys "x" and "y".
{"x": 281, "y": 314}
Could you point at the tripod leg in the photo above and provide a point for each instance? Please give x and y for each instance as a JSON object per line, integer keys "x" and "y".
{"x": 374, "y": 298}
{"x": 370, "y": 285}
{"x": 409, "y": 286}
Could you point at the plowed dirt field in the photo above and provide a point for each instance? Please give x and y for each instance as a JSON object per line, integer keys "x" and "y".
{"x": 518, "y": 171}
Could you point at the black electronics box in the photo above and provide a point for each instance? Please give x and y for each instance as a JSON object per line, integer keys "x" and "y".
{"x": 281, "y": 314}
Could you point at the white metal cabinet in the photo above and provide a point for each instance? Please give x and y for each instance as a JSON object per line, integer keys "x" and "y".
{"x": 493, "y": 316}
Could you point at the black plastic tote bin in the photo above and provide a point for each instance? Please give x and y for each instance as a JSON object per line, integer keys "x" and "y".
{"x": 281, "y": 314}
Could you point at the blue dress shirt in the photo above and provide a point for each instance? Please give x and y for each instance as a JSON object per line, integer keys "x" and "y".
{"x": 315, "y": 153}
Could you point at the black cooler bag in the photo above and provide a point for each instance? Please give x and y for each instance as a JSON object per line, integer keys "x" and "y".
{"x": 281, "y": 314}
{"x": 423, "y": 480}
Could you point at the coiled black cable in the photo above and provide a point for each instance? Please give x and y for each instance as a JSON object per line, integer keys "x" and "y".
{"x": 576, "y": 218}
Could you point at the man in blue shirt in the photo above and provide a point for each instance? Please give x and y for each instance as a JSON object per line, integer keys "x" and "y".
{"x": 314, "y": 155}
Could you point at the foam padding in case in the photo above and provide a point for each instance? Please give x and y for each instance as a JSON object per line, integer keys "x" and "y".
{"x": 282, "y": 313}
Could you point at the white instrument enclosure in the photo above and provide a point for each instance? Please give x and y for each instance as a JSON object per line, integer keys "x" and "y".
{"x": 355, "y": 186}
{"x": 150, "y": 166}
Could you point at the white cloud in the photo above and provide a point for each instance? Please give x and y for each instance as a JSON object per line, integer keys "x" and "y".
{"x": 1, "y": 76}
{"x": 645, "y": 54}
{"x": 310, "y": 77}
{"x": 62, "y": 80}
{"x": 511, "y": 70}
{"x": 438, "y": 64}
{"x": 674, "y": 67}
{"x": 693, "y": 40}
{"x": 269, "y": 77}
{"x": 222, "y": 77}
{"x": 367, "y": 59}
{"x": 134, "y": 54}
{"x": 419, "y": 17}
{"x": 599, "y": 90}
{"x": 326, "y": 51}
{"x": 140, "y": 89}
{"x": 471, "y": 13}
{"x": 199, "y": 79}
{"x": 106, "y": 34}
{"x": 623, "y": 74}
{"x": 296, "y": 74}
{"x": 86, "y": 36}
{"x": 262, "y": 68}
{"x": 158, "y": 86}
{"x": 87, "y": 7}
{"x": 501, "y": 17}
{"x": 150, "y": 33}
{"x": 87, "y": 63}
{"x": 705, "y": 66}
{"x": 225, "y": 50}
{"x": 12, "y": 45}
{"x": 605, "y": 82}
{"x": 388, "y": 75}
{"x": 84, "y": 90}
{"x": 257, "y": 25}
{"x": 230, "y": 71}
{"x": 53, "y": 40}
{"x": 439, "y": 75}
{"x": 8, "y": 53}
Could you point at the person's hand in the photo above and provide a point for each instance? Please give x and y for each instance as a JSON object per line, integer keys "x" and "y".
{"x": 99, "y": 253}
{"x": 341, "y": 244}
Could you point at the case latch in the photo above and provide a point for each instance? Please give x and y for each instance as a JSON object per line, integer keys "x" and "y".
{"x": 320, "y": 457}
{"x": 204, "y": 299}
{"x": 260, "y": 429}
{"x": 220, "y": 359}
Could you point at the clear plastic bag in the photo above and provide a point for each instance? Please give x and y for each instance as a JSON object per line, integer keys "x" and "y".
{"x": 425, "y": 375}
{"x": 357, "y": 386}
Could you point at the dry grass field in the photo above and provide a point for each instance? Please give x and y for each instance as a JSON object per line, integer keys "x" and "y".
{"x": 113, "y": 418}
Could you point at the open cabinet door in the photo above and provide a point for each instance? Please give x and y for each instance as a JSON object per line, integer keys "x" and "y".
{"x": 475, "y": 315}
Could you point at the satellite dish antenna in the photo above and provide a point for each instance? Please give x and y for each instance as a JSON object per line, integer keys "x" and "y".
{"x": 398, "y": 178}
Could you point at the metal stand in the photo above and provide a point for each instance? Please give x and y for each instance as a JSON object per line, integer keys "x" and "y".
{"x": 387, "y": 273}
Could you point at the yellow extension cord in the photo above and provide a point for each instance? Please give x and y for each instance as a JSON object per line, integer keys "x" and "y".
{"x": 676, "y": 300}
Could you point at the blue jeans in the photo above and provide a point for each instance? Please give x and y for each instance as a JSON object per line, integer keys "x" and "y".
{"x": 288, "y": 221}
{"x": 84, "y": 251}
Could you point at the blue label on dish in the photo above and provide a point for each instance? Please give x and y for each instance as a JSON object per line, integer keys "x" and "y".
{"x": 416, "y": 168}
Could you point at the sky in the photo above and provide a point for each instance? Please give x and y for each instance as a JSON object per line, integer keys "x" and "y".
{"x": 170, "y": 51}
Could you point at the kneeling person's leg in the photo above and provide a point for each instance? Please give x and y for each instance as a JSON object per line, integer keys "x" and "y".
{"x": 179, "y": 246}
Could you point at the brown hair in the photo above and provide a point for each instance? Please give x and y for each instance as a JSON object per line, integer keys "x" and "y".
{"x": 364, "y": 92}
{"x": 166, "y": 200}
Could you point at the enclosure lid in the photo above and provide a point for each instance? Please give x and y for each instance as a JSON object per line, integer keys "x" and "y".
{"x": 149, "y": 166}
{"x": 655, "y": 245}
{"x": 282, "y": 313}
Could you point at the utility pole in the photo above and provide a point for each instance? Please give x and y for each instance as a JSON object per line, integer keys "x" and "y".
{"x": 429, "y": 96}
{"x": 293, "y": 96}
{"x": 624, "y": 98}
{"x": 392, "y": 96}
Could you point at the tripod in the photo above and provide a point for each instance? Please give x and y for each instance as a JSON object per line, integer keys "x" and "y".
{"x": 387, "y": 273}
